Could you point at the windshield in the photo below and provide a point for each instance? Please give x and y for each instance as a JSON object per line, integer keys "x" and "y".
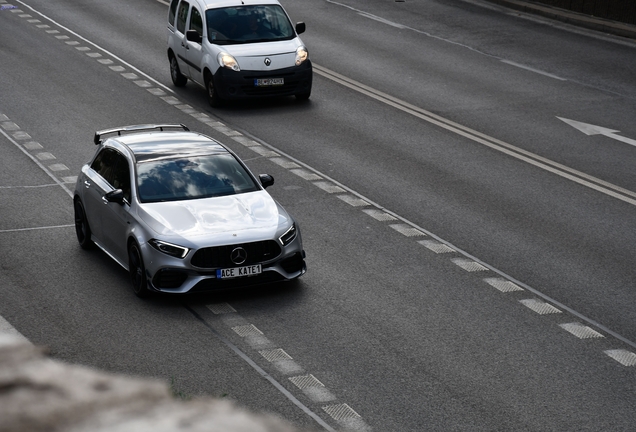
{"x": 191, "y": 178}
{"x": 247, "y": 24}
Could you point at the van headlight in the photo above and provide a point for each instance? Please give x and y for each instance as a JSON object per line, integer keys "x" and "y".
{"x": 301, "y": 55}
{"x": 228, "y": 61}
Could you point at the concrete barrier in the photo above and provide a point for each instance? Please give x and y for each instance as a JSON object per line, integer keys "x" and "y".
{"x": 38, "y": 394}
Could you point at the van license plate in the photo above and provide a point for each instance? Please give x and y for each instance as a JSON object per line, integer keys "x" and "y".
{"x": 238, "y": 272}
{"x": 266, "y": 82}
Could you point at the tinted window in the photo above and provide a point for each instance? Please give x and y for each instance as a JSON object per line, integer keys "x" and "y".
{"x": 121, "y": 175}
{"x": 113, "y": 167}
{"x": 192, "y": 177}
{"x": 104, "y": 164}
{"x": 182, "y": 16}
{"x": 172, "y": 11}
{"x": 245, "y": 24}
{"x": 196, "y": 22}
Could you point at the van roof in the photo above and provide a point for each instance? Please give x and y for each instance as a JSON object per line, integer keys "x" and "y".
{"x": 213, "y": 4}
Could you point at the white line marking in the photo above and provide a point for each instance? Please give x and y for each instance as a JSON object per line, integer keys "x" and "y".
{"x": 528, "y": 68}
{"x": 264, "y": 374}
{"x": 622, "y": 356}
{"x": 580, "y": 331}
{"x": 540, "y": 307}
{"x": 36, "y": 228}
{"x": 478, "y": 137}
{"x": 39, "y": 164}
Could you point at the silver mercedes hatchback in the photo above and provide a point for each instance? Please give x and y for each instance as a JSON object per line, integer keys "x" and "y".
{"x": 182, "y": 213}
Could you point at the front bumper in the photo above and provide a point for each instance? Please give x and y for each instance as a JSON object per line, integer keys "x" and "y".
{"x": 172, "y": 275}
{"x": 240, "y": 85}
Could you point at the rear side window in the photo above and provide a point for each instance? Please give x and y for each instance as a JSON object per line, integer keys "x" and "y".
{"x": 172, "y": 11}
{"x": 182, "y": 16}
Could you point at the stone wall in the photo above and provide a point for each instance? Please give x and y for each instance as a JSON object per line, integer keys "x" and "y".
{"x": 38, "y": 394}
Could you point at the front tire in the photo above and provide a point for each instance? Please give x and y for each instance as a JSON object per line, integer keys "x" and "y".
{"x": 82, "y": 230}
{"x": 213, "y": 95}
{"x": 178, "y": 79}
{"x": 137, "y": 271}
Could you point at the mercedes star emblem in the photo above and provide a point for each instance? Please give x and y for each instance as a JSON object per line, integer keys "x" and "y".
{"x": 238, "y": 255}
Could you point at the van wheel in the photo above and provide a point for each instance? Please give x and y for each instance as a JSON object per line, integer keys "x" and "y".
{"x": 213, "y": 96}
{"x": 178, "y": 79}
{"x": 303, "y": 96}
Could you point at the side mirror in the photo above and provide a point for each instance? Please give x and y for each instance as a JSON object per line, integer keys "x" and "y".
{"x": 193, "y": 36}
{"x": 116, "y": 196}
{"x": 300, "y": 27}
{"x": 266, "y": 180}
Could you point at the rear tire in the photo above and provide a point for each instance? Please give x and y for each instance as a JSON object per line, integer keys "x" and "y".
{"x": 178, "y": 79}
{"x": 82, "y": 230}
{"x": 137, "y": 271}
{"x": 214, "y": 98}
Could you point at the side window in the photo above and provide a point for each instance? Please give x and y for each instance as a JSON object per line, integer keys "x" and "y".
{"x": 182, "y": 16}
{"x": 196, "y": 22}
{"x": 172, "y": 11}
{"x": 104, "y": 164}
{"x": 121, "y": 175}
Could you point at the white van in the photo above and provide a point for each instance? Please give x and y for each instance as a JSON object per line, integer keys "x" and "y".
{"x": 237, "y": 49}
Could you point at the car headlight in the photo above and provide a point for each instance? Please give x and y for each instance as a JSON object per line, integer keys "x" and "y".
{"x": 289, "y": 235}
{"x": 228, "y": 61}
{"x": 301, "y": 55}
{"x": 169, "y": 248}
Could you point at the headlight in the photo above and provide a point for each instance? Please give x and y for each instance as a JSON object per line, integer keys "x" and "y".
{"x": 169, "y": 248}
{"x": 301, "y": 55}
{"x": 228, "y": 61}
{"x": 289, "y": 235}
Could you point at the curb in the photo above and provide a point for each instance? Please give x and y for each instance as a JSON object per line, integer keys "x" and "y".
{"x": 574, "y": 18}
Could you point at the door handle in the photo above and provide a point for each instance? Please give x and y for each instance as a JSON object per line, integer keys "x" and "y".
{"x": 87, "y": 184}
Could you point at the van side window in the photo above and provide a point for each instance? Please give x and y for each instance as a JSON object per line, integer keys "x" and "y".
{"x": 196, "y": 22}
{"x": 172, "y": 11}
{"x": 182, "y": 16}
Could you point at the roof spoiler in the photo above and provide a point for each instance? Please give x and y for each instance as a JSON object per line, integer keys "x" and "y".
{"x": 136, "y": 128}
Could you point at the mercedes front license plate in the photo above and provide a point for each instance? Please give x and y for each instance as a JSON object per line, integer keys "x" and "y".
{"x": 238, "y": 272}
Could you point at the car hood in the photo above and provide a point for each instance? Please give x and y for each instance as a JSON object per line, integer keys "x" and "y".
{"x": 262, "y": 49}
{"x": 235, "y": 218}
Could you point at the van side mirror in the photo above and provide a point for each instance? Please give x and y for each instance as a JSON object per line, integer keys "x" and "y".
{"x": 266, "y": 180}
{"x": 193, "y": 36}
{"x": 300, "y": 27}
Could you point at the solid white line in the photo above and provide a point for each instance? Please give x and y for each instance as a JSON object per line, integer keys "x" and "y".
{"x": 496, "y": 144}
{"x": 35, "y": 228}
{"x": 38, "y": 163}
{"x": 528, "y": 68}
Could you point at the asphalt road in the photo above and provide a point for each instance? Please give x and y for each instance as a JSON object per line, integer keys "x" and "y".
{"x": 470, "y": 253}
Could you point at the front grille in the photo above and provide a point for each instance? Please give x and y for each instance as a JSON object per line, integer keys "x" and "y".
{"x": 219, "y": 256}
